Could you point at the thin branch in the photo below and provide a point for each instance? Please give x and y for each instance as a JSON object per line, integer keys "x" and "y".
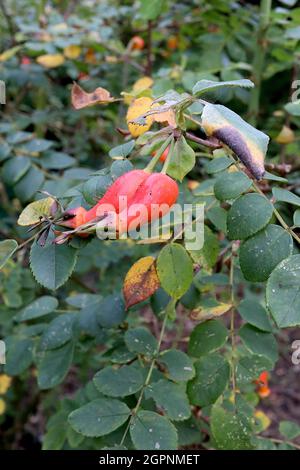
{"x": 147, "y": 381}
{"x": 211, "y": 143}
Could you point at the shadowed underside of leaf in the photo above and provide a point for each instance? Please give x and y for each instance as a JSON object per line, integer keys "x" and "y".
{"x": 249, "y": 144}
{"x": 141, "y": 281}
{"x": 82, "y": 99}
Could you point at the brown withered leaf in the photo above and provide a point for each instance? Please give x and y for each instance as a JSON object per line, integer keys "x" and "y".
{"x": 82, "y": 99}
{"x": 141, "y": 281}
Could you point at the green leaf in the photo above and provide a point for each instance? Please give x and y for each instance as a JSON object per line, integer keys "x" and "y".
{"x": 231, "y": 185}
{"x": 37, "y": 145}
{"x": 121, "y": 382}
{"x": 283, "y": 195}
{"x": 207, "y": 337}
{"x": 259, "y": 342}
{"x": 293, "y": 108}
{"x": 19, "y": 355}
{"x": 151, "y": 431}
{"x": 35, "y": 211}
{"x": 59, "y": 331}
{"x": 175, "y": 270}
{"x": 55, "y": 437}
{"x": 170, "y": 398}
{"x": 231, "y": 431}
{"x": 52, "y": 264}
{"x": 188, "y": 432}
{"x": 191, "y": 299}
{"x": 19, "y": 136}
{"x": 218, "y": 216}
{"x": 38, "y": 308}
{"x": 54, "y": 365}
{"x": 94, "y": 188}
{"x": 111, "y": 311}
{"x": 283, "y": 294}
{"x": 218, "y": 164}
{"x": 7, "y": 249}
{"x": 212, "y": 376}
{"x": 99, "y": 417}
{"x": 250, "y": 367}
{"x": 5, "y": 151}
{"x": 118, "y": 168}
{"x": 271, "y": 177}
{"x": 182, "y": 161}
{"x": 289, "y": 429}
{"x": 260, "y": 254}
{"x": 249, "y": 144}
{"x": 31, "y": 182}
{"x": 151, "y": 10}
{"x": 247, "y": 215}
{"x": 179, "y": 365}
{"x": 297, "y": 218}
{"x": 57, "y": 160}
{"x": 122, "y": 150}
{"x": 14, "y": 168}
{"x": 208, "y": 254}
{"x": 140, "y": 340}
{"x": 253, "y": 313}
{"x": 205, "y": 86}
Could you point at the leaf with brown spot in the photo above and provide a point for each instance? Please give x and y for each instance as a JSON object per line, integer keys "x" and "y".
{"x": 82, "y": 99}
{"x": 164, "y": 115}
{"x": 208, "y": 313}
{"x": 141, "y": 281}
{"x": 137, "y": 109}
{"x": 249, "y": 144}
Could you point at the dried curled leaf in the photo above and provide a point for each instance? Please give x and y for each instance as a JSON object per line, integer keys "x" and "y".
{"x": 82, "y": 99}
{"x": 141, "y": 281}
{"x": 35, "y": 210}
{"x": 137, "y": 109}
{"x": 50, "y": 61}
{"x": 249, "y": 144}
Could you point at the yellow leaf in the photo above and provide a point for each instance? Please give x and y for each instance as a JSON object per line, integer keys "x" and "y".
{"x": 2, "y": 406}
{"x": 6, "y": 55}
{"x": 72, "y": 51}
{"x": 128, "y": 97}
{"x": 5, "y": 382}
{"x": 35, "y": 210}
{"x": 285, "y": 136}
{"x": 139, "y": 107}
{"x": 210, "y": 312}
{"x": 141, "y": 281}
{"x": 166, "y": 117}
{"x": 142, "y": 84}
{"x": 263, "y": 420}
{"x": 50, "y": 61}
{"x": 82, "y": 99}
